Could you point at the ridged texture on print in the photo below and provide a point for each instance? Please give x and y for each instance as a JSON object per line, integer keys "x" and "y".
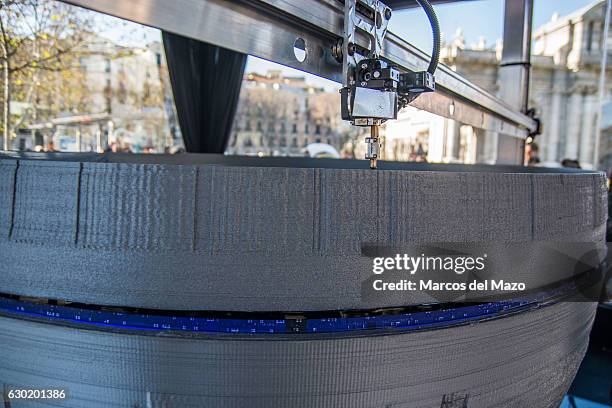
{"x": 523, "y": 360}
{"x": 256, "y": 236}
{"x": 211, "y": 233}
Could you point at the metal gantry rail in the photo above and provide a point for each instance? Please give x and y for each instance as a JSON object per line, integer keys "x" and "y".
{"x": 268, "y": 29}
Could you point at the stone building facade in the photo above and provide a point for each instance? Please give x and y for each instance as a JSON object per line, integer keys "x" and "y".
{"x": 567, "y": 53}
{"x": 133, "y": 88}
{"x": 128, "y": 101}
{"x": 280, "y": 115}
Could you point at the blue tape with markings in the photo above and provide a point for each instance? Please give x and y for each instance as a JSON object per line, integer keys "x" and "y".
{"x": 149, "y": 321}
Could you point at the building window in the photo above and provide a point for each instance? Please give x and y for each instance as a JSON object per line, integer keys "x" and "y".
{"x": 318, "y": 129}
{"x": 294, "y": 129}
{"x": 590, "y": 36}
{"x": 306, "y": 129}
{"x": 108, "y": 94}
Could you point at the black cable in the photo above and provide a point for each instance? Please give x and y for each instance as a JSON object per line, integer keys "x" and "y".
{"x": 435, "y": 28}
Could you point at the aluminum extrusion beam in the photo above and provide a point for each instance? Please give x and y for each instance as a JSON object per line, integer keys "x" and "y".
{"x": 515, "y": 64}
{"x": 514, "y": 71}
{"x": 269, "y": 28}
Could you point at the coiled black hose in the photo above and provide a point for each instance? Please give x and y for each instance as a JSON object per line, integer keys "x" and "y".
{"x": 435, "y": 28}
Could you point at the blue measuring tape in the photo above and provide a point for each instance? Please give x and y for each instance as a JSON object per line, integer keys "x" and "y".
{"x": 252, "y": 323}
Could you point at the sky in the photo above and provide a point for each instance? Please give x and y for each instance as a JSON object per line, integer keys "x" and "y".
{"x": 481, "y": 18}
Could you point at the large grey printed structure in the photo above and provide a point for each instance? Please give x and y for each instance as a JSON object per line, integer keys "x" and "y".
{"x": 527, "y": 360}
{"x": 249, "y": 235}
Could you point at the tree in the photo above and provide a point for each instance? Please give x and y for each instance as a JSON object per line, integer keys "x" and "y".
{"x": 41, "y": 46}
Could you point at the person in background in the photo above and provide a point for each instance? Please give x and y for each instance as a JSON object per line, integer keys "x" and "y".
{"x": 609, "y": 221}
{"x": 571, "y": 164}
{"x": 532, "y": 156}
{"x": 113, "y": 147}
{"x": 50, "y": 147}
